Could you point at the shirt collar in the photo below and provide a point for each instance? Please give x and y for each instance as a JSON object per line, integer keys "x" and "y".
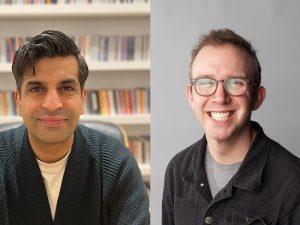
{"x": 248, "y": 176}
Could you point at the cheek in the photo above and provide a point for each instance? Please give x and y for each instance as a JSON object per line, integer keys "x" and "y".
{"x": 75, "y": 106}
{"x": 245, "y": 105}
{"x": 28, "y": 107}
{"x": 82, "y": 108}
{"x": 199, "y": 101}
{"x": 198, "y": 106}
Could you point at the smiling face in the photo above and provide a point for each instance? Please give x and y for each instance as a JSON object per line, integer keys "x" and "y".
{"x": 51, "y": 101}
{"x": 223, "y": 117}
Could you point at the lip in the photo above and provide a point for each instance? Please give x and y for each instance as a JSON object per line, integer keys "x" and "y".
{"x": 52, "y": 121}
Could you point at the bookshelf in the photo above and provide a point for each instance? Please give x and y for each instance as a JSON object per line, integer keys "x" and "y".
{"x": 87, "y": 19}
{"x": 75, "y": 10}
{"x": 118, "y": 119}
{"x": 5, "y": 68}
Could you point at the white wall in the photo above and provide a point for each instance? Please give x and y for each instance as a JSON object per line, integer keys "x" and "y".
{"x": 273, "y": 28}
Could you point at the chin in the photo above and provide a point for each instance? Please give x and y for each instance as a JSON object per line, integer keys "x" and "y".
{"x": 219, "y": 138}
{"x": 218, "y": 135}
{"x": 52, "y": 138}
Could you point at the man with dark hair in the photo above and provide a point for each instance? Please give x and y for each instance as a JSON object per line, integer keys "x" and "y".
{"x": 234, "y": 174}
{"x": 52, "y": 170}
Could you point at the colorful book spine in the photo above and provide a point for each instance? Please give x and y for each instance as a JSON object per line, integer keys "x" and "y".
{"x": 140, "y": 149}
{"x": 7, "y": 104}
{"x": 94, "y": 48}
{"x": 118, "y": 101}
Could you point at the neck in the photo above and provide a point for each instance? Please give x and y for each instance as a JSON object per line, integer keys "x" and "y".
{"x": 50, "y": 152}
{"x": 233, "y": 150}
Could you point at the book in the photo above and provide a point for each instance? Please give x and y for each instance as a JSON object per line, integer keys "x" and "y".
{"x": 118, "y": 101}
{"x": 94, "y": 48}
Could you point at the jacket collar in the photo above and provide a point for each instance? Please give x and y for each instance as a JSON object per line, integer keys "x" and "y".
{"x": 249, "y": 174}
{"x": 34, "y": 206}
{"x": 195, "y": 173}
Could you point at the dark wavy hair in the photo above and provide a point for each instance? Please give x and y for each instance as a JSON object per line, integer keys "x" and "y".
{"x": 49, "y": 43}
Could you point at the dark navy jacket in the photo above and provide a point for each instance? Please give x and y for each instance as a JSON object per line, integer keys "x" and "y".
{"x": 264, "y": 191}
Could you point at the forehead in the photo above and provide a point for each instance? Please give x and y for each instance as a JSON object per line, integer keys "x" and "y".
{"x": 222, "y": 60}
{"x": 53, "y": 69}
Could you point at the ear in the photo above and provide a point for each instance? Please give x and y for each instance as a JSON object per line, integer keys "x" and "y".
{"x": 17, "y": 97}
{"x": 260, "y": 97}
{"x": 189, "y": 95}
{"x": 83, "y": 96}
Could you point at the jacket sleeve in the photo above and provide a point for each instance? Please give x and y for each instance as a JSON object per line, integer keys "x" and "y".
{"x": 168, "y": 199}
{"x": 129, "y": 201}
{"x": 3, "y": 177}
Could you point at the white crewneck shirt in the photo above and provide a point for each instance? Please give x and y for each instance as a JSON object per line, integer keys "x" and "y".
{"x": 52, "y": 175}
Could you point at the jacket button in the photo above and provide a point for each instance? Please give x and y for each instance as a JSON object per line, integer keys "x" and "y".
{"x": 208, "y": 220}
{"x": 249, "y": 219}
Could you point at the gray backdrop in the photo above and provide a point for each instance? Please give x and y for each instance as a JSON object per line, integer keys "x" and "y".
{"x": 272, "y": 26}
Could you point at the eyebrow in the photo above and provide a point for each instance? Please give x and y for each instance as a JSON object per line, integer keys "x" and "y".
{"x": 33, "y": 82}
{"x": 69, "y": 81}
{"x": 37, "y": 82}
{"x": 211, "y": 77}
{"x": 202, "y": 76}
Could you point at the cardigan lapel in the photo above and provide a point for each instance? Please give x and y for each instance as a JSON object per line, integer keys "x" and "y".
{"x": 74, "y": 181}
{"x": 33, "y": 200}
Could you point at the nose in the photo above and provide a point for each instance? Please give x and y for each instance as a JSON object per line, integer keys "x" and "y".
{"x": 220, "y": 96}
{"x": 52, "y": 101}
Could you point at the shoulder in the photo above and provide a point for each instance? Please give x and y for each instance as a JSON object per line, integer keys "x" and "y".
{"x": 280, "y": 160}
{"x": 185, "y": 154}
{"x": 114, "y": 162}
{"x": 183, "y": 161}
{"x": 284, "y": 160}
{"x": 11, "y": 139}
{"x": 106, "y": 150}
{"x": 99, "y": 142}
{"x": 7, "y": 137}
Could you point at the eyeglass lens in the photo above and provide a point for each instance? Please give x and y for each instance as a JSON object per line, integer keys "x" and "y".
{"x": 233, "y": 86}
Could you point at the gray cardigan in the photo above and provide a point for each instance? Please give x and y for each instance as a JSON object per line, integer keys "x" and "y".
{"x": 102, "y": 183}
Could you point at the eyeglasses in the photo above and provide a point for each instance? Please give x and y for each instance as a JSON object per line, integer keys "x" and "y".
{"x": 233, "y": 86}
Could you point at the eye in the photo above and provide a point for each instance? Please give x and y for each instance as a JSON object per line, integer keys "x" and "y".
{"x": 35, "y": 89}
{"x": 205, "y": 82}
{"x": 236, "y": 82}
{"x": 67, "y": 88}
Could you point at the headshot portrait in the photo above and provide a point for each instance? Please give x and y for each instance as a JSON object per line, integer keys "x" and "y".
{"x": 225, "y": 150}
{"x": 74, "y": 112}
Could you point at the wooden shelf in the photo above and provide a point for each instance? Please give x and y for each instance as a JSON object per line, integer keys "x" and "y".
{"x": 119, "y": 66}
{"x": 101, "y": 66}
{"x": 118, "y": 119}
{"x": 10, "y": 119}
{"x": 75, "y": 10}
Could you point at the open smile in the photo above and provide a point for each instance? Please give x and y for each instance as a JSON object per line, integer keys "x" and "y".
{"x": 220, "y": 116}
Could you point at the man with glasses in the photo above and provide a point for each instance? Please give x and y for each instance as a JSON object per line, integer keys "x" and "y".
{"x": 234, "y": 174}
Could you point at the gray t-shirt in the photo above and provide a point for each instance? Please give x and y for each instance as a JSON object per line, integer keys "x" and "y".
{"x": 218, "y": 174}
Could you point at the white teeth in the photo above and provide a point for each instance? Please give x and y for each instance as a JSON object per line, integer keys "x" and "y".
{"x": 219, "y": 116}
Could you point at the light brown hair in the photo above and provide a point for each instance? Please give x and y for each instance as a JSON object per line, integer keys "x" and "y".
{"x": 227, "y": 36}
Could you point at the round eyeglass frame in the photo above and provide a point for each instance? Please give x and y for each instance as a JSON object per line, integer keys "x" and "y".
{"x": 193, "y": 82}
